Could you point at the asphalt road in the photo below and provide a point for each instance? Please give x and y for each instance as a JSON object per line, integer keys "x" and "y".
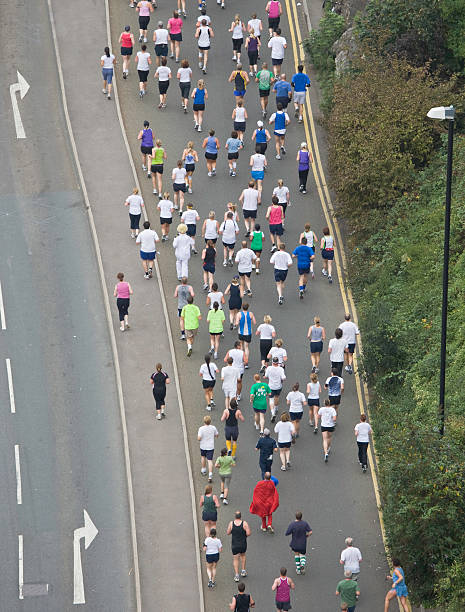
{"x": 66, "y": 424}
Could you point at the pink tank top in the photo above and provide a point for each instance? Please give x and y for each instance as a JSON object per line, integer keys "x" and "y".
{"x": 283, "y": 591}
{"x": 273, "y": 11}
{"x": 122, "y": 290}
{"x": 126, "y": 40}
{"x": 276, "y": 215}
{"x": 144, "y": 10}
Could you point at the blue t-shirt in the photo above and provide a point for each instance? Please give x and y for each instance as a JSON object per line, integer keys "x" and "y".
{"x": 282, "y": 89}
{"x": 233, "y": 144}
{"x": 334, "y": 384}
{"x": 300, "y": 81}
{"x": 303, "y": 254}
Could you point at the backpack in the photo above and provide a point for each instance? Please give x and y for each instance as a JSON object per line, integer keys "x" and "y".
{"x": 239, "y": 81}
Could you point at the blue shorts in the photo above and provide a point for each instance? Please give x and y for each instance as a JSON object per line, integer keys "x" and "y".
{"x": 276, "y": 229}
{"x": 208, "y": 267}
{"x": 212, "y": 558}
{"x": 239, "y": 93}
{"x": 147, "y": 256}
{"x": 313, "y": 402}
{"x": 280, "y": 275}
{"x": 258, "y": 174}
{"x": 316, "y": 347}
{"x": 191, "y": 229}
{"x": 107, "y": 74}
{"x": 351, "y": 348}
{"x": 296, "y": 416}
{"x": 327, "y": 254}
{"x": 207, "y": 453}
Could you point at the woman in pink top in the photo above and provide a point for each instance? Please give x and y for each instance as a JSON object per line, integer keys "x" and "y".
{"x": 275, "y": 217}
{"x": 175, "y": 26}
{"x": 122, "y": 292}
{"x": 144, "y": 8}
{"x": 126, "y": 41}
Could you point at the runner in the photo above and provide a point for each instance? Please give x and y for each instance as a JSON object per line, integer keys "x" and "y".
{"x": 300, "y": 82}
{"x": 228, "y": 230}
{"x": 240, "y": 79}
{"x": 264, "y": 79}
{"x": 166, "y": 207}
{"x": 277, "y": 44}
{"x": 203, "y": 15}
{"x": 296, "y": 401}
{"x": 209, "y": 502}
{"x": 235, "y": 300}
{"x": 190, "y": 158}
{"x": 311, "y": 242}
{"x": 163, "y": 74}
{"x": 348, "y": 590}
{"x": 300, "y": 531}
{"x": 254, "y": 25}
{"x": 215, "y": 296}
{"x": 182, "y": 292}
{"x": 279, "y": 352}
{"x": 144, "y": 8}
{"x": 208, "y": 265}
{"x": 178, "y": 176}
{"x": 261, "y": 136}
{"x": 146, "y": 146}
{"x": 280, "y": 119}
{"x": 182, "y": 8}
{"x": 237, "y": 28}
{"x": 215, "y": 319}
{"x": 252, "y": 44}
{"x": 231, "y": 426}
{"x": 182, "y": 245}
{"x": 239, "y": 361}
{"x": 204, "y": 34}
{"x": 317, "y": 335}
{"x": 211, "y": 144}
{"x": 239, "y": 116}
{"x": 327, "y": 253}
{"x": 147, "y": 240}
{"x": 107, "y": 62}
{"x": 275, "y": 216}
{"x": 362, "y": 434}
{"x": 328, "y": 420}
{"x": 175, "y": 29}
{"x": 337, "y": 348}
{"x": 126, "y": 40}
{"x": 334, "y": 384}
{"x": 267, "y": 332}
{"x": 349, "y": 333}
{"x": 258, "y": 398}
{"x": 231, "y": 207}
{"x": 244, "y": 321}
{"x": 230, "y": 376}
{"x": 258, "y": 166}
{"x": 143, "y": 62}
{"x": 304, "y": 159}
{"x": 184, "y": 76}
{"x": 159, "y": 380}
{"x": 190, "y": 217}
{"x": 286, "y": 436}
{"x": 160, "y": 39}
{"x": 135, "y": 204}
{"x": 122, "y": 292}
{"x": 244, "y": 259}
{"x": 257, "y": 237}
{"x": 207, "y": 373}
{"x": 212, "y": 547}
{"x": 190, "y": 315}
{"x": 206, "y": 436}
{"x": 239, "y": 531}
{"x": 313, "y": 401}
{"x": 399, "y": 588}
{"x": 199, "y": 95}
{"x": 158, "y": 157}
{"x": 274, "y": 10}
{"x": 276, "y": 377}
{"x": 351, "y": 558}
{"x": 265, "y": 501}
{"x": 250, "y": 198}
{"x": 233, "y": 146}
{"x": 283, "y": 91}
{"x": 210, "y": 228}
{"x": 281, "y": 261}
{"x": 283, "y": 586}
{"x": 283, "y": 195}
{"x": 305, "y": 255}
{"x": 225, "y": 463}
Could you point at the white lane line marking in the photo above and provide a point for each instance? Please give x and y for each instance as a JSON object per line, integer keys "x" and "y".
{"x": 10, "y": 386}
{"x": 20, "y": 567}
{"x": 19, "y": 488}
{"x": 2, "y": 309}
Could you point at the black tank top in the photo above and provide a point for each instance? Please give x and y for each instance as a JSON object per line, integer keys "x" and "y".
{"x": 210, "y": 254}
{"x": 242, "y": 602}
{"x": 231, "y": 421}
{"x": 238, "y": 536}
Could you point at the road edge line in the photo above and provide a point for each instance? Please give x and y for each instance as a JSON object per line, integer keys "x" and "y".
{"x": 106, "y": 301}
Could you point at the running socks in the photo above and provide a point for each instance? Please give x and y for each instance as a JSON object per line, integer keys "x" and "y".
{"x": 228, "y": 445}
{"x": 297, "y": 562}
{"x": 234, "y": 448}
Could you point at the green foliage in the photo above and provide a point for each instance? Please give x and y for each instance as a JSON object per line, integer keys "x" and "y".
{"x": 453, "y": 14}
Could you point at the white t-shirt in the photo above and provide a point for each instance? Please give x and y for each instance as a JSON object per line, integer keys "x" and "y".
{"x": 281, "y": 260}
{"x": 351, "y": 558}
{"x": 147, "y": 239}
{"x": 297, "y": 399}
{"x": 135, "y": 204}
{"x": 284, "y": 429}
{"x": 278, "y": 352}
{"x": 276, "y": 44}
{"x": 258, "y": 162}
{"x": 213, "y": 546}
{"x": 275, "y": 375}
{"x": 182, "y": 246}
{"x": 204, "y": 36}
{"x": 238, "y": 359}
{"x": 240, "y": 114}
{"x": 229, "y": 229}
{"x": 201, "y": 18}
{"x": 162, "y": 36}
{"x": 185, "y": 75}
{"x": 143, "y": 60}
{"x": 207, "y": 435}
{"x": 211, "y": 229}
{"x": 327, "y": 413}
{"x": 166, "y": 209}
{"x": 363, "y": 431}
{"x": 314, "y": 390}
{"x": 244, "y": 259}
{"x": 281, "y": 194}
{"x": 215, "y": 296}
{"x": 250, "y": 198}
{"x": 107, "y": 61}
{"x": 266, "y": 331}
{"x": 230, "y": 376}
{"x": 337, "y": 349}
{"x": 189, "y": 216}
{"x": 205, "y": 373}
{"x": 163, "y": 73}
{"x": 349, "y": 331}
{"x": 237, "y": 30}
{"x": 254, "y": 25}
{"x": 179, "y": 175}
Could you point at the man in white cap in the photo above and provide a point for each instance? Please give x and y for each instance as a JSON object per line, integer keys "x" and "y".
{"x": 261, "y": 136}
{"x": 182, "y": 249}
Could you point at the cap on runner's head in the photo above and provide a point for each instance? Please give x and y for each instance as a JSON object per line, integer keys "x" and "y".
{"x": 266, "y": 431}
{"x": 303, "y": 145}
{"x": 275, "y": 360}
{"x": 182, "y": 228}
{"x": 146, "y": 123}
{"x": 236, "y": 277}
{"x": 127, "y": 28}
{"x": 260, "y": 123}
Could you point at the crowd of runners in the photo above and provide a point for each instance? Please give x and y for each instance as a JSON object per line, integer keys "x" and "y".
{"x": 209, "y": 241}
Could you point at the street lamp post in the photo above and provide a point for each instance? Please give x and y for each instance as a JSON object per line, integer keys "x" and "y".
{"x": 445, "y": 112}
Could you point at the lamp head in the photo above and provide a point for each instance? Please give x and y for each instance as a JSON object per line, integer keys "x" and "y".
{"x": 442, "y": 112}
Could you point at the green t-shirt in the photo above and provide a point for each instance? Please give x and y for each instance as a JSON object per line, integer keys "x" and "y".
{"x": 215, "y": 320}
{"x": 264, "y": 79}
{"x": 259, "y": 392}
{"x": 225, "y": 464}
{"x": 157, "y": 159}
{"x": 347, "y": 590}
{"x": 190, "y": 314}
{"x": 257, "y": 241}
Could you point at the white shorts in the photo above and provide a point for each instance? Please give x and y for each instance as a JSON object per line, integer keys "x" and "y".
{"x": 299, "y": 97}
{"x": 230, "y": 392}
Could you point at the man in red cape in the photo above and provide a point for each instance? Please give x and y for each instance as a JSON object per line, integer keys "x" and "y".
{"x": 265, "y": 500}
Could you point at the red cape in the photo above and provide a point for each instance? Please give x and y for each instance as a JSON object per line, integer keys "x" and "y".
{"x": 265, "y": 498}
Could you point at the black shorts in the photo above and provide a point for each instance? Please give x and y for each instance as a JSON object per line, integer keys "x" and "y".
{"x": 185, "y": 89}
{"x": 248, "y": 276}
{"x": 264, "y": 93}
{"x": 239, "y": 126}
{"x": 296, "y": 416}
{"x": 209, "y": 455}
{"x": 211, "y": 156}
{"x": 257, "y": 252}
{"x": 273, "y": 22}
{"x": 233, "y": 155}
{"x": 334, "y": 399}
{"x": 303, "y": 270}
{"x": 276, "y": 61}
{"x": 161, "y": 50}
{"x": 209, "y": 267}
{"x": 143, "y": 75}
{"x": 327, "y": 428}
{"x": 284, "y": 101}
{"x": 265, "y": 346}
{"x": 126, "y": 50}
{"x": 189, "y": 167}
{"x": 198, "y": 107}
{"x": 239, "y": 550}
{"x": 284, "y": 444}
{"x": 280, "y": 276}
{"x": 202, "y": 49}
{"x": 229, "y": 246}
{"x": 156, "y": 168}
{"x": 163, "y": 86}
{"x": 262, "y": 146}
{"x": 231, "y": 432}
{"x": 245, "y": 338}
{"x": 177, "y": 37}
{"x": 166, "y": 220}
{"x": 283, "y": 605}
{"x": 146, "y": 150}
{"x": 313, "y": 402}
{"x": 208, "y": 384}
{"x": 250, "y": 214}
{"x": 276, "y": 229}
{"x": 134, "y": 221}
{"x": 212, "y": 558}
{"x": 237, "y": 43}
{"x": 144, "y": 21}
{"x": 253, "y": 57}
{"x": 191, "y": 229}
{"x": 209, "y": 516}
{"x": 316, "y": 347}
{"x": 179, "y": 187}
{"x": 351, "y": 348}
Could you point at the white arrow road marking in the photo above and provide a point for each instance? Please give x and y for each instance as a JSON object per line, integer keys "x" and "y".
{"x": 88, "y": 532}
{"x": 11, "y": 391}
{"x": 20, "y": 566}
{"x": 19, "y": 488}
{"x": 23, "y": 87}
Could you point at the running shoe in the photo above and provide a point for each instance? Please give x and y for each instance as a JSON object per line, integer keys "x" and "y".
{"x": 124, "y": 75}
{"x": 154, "y": 192}
{"x": 326, "y": 457}
{"x": 330, "y": 279}
{"x": 262, "y": 528}
{"x": 199, "y": 128}
{"x": 283, "y": 150}
{"x": 205, "y": 287}
{"x": 225, "y": 501}
{"x": 212, "y": 403}
{"x": 210, "y": 478}
{"x": 149, "y": 175}
{"x": 230, "y": 262}
{"x": 323, "y": 271}
{"x": 189, "y": 351}
{"x": 182, "y": 337}
{"x": 158, "y": 417}
{"x": 297, "y": 571}
{"x": 195, "y": 251}
{"x": 140, "y": 38}
{"x": 231, "y": 326}
{"x": 243, "y": 573}
{"x": 288, "y": 464}
{"x": 304, "y": 191}
{"x": 189, "y": 190}
{"x": 270, "y": 529}
{"x": 225, "y": 263}
{"x": 210, "y": 174}
{"x": 221, "y": 495}
{"x": 296, "y": 114}
{"x": 171, "y": 55}
{"x": 257, "y": 426}
{"x": 301, "y": 294}
{"x": 146, "y": 275}
{"x": 210, "y": 584}
{"x": 238, "y": 397}
{"x": 204, "y": 70}
{"x": 278, "y": 156}
{"x": 273, "y": 248}
{"x": 262, "y": 370}
{"x": 145, "y": 39}
{"x": 150, "y": 273}
{"x": 141, "y": 95}
{"x": 281, "y": 300}
{"x": 364, "y": 468}
{"x": 249, "y": 292}
{"x": 109, "y": 97}
{"x": 236, "y": 578}
{"x": 257, "y": 271}
{"x": 283, "y": 468}
{"x": 317, "y": 370}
